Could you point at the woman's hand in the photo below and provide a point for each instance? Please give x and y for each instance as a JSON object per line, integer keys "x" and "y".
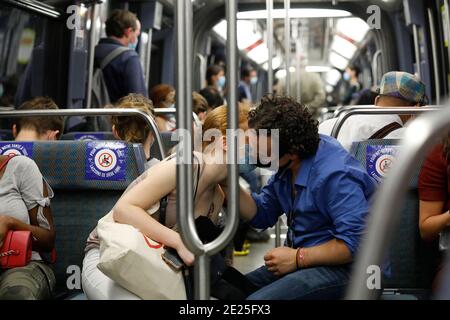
{"x": 281, "y": 261}
{"x": 5, "y": 226}
{"x": 185, "y": 254}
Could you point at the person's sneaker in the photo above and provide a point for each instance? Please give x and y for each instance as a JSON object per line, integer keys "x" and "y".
{"x": 246, "y": 245}
{"x": 244, "y": 252}
{"x": 256, "y": 236}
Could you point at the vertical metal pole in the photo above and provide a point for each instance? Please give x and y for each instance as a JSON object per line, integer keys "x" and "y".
{"x": 417, "y": 49}
{"x": 92, "y": 43}
{"x": 287, "y": 45}
{"x": 233, "y": 109}
{"x": 298, "y": 48}
{"x": 148, "y": 56}
{"x": 185, "y": 203}
{"x": 435, "y": 57}
{"x": 269, "y": 4}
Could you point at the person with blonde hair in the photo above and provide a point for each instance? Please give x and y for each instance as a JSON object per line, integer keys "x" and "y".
{"x": 132, "y": 128}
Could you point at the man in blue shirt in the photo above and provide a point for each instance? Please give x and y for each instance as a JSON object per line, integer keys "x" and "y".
{"x": 325, "y": 194}
{"x": 248, "y": 78}
{"x": 124, "y": 75}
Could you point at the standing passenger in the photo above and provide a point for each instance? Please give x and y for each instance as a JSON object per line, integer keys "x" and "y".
{"x": 124, "y": 74}
{"x": 215, "y": 77}
{"x": 249, "y": 78}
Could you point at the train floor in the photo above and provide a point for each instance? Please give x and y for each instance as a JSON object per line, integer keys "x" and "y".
{"x": 255, "y": 258}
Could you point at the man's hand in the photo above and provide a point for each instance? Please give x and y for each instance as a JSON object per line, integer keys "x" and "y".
{"x": 281, "y": 261}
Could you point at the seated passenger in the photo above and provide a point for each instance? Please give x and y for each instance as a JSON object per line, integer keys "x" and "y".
{"x": 163, "y": 96}
{"x": 212, "y": 96}
{"x": 38, "y": 128}
{"x": 143, "y": 197}
{"x": 25, "y": 205}
{"x": 199, "y": 106}
{"x": 434, "y": 195}
{"x": 134, "y": 129}
{"x": 397, "y": 89}
{"x": 324, "y": 192}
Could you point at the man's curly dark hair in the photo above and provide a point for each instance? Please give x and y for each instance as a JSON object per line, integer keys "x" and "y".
{"x": 298, "y": 131}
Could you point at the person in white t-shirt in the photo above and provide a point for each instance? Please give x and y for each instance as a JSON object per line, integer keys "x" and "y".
{"x": 397, "y": 89}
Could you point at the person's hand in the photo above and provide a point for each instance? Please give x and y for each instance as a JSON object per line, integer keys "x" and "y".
{"x": 281, "y": 261}
{"x": 4, "y": 228}
{"x": 185, "y": 254}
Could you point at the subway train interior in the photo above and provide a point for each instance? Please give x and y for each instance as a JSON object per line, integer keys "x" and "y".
{"x": 347, "y": 62}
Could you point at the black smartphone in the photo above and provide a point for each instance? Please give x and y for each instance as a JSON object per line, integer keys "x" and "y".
{"x": 171, "y": 257}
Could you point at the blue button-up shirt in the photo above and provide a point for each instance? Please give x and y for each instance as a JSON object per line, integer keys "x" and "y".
{"x": 332, "y": 200}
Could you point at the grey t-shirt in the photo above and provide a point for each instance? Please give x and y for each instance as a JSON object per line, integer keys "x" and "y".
{"x": 22, "y": 189}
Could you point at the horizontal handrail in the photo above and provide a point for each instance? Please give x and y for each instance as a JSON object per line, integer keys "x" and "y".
{"x": 385, "y": 213}
{"x": 90, "y": 113}
{"x": 376, "y": 111}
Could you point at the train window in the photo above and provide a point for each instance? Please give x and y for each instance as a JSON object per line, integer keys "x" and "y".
{"x": 21, "y": 35}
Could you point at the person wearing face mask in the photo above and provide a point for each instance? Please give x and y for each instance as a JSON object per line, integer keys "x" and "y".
{"x": 351, "y": 75}
{"x": 249, "y": 78}
{"x": 124, "y": 74}
{"x": 139, "y": 207}
{"x": 325, "y": 194}
{"x": 215, "y": 77}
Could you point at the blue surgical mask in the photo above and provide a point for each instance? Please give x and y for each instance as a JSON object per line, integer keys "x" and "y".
{"x": 246, "y": 164}
{"x": 254, "y": 80}
{"x": 346, "y": 76}
{"x": 222, "y": 81}
{"x": 133, "y": 46}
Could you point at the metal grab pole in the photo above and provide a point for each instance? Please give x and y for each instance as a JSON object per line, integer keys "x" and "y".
{"x": 90, "y": 113}
{"x": 232, "y": 117}
{"x": 287, "y": 45}
{"x": 185, "y": 201}
{"x": 434, "y": 50}
{"x": 92, "y": 43}
{"x": 185, "y": 214}
{"x": 269, "y": 4}
{"x": 298, "y": 48}
{"x": 417, "y": 49}
{"x": 376, "y": 111}
{"x": 385, "y": 214}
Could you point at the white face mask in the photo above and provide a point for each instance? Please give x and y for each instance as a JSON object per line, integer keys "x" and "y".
{"x": 254, "y": 80}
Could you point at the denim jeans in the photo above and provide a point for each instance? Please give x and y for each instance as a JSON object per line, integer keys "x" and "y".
{"x": 318, "y": 283}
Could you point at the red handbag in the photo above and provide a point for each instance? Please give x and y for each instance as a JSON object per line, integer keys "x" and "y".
{"x": 16, "y": 250}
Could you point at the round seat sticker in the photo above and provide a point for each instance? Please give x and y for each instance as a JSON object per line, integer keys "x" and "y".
{"x": 379, "y": 160}
{"x": 106, "y": 161}
{"x": 17, "y": 148}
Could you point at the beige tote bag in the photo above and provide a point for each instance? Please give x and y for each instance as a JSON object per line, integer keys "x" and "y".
{"x": 134, "y": 261}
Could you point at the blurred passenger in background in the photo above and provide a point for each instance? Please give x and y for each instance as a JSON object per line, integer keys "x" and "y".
{"x": 163, "y": 96}
{"x": 212, "y": 95}
{"x": 351, "y": 75}
{"x": 215, "y": 77}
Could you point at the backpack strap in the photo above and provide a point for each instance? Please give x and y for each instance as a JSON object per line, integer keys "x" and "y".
{"x": 383, "y": 132}
{"x": 112, "y": 55}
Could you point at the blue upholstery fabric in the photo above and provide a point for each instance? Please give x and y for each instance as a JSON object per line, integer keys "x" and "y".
{"x": 78, "y": 204}
{"x": 412, "y": 261}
